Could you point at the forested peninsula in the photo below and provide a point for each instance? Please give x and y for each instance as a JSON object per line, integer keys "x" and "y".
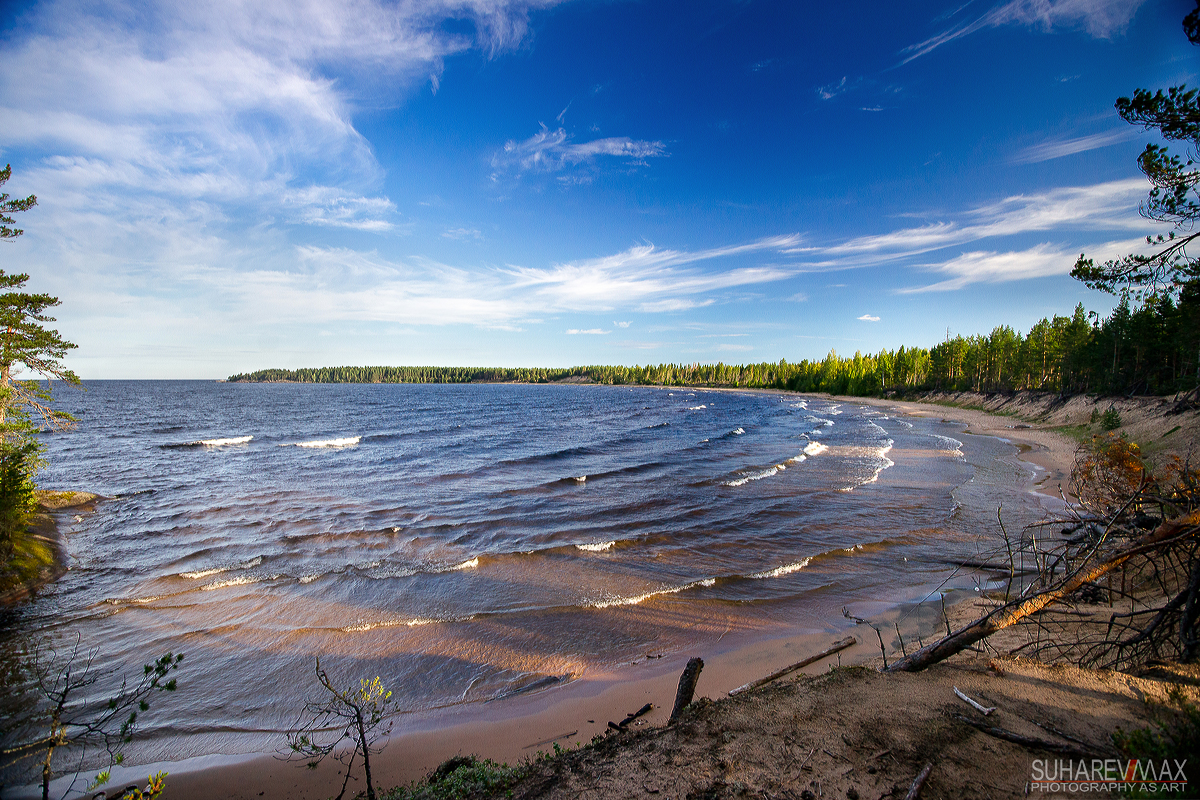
{"x": 1154, "y": 349}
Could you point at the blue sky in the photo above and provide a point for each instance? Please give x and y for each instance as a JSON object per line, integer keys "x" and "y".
{"x": 225, "y": 186}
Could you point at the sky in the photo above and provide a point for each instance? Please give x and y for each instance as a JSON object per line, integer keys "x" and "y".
{"x": 228, "y": 186}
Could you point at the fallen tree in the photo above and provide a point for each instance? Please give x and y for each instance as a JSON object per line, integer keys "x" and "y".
{"x": 1107, "y": 532}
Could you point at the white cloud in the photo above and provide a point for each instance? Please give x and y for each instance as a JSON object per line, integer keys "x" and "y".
{"x": 622, "y": 324}
{"x": 832, "y": 90}
{"x": 1058, "y": 148}
{"x": 869, "y": 318}
{"x": 462, "y": 233}
{"x": 1041, "y": 261}
{"x": 592, "y": 331}
{"x": 1102, "y": 19}
{"x": 246, "y": 106}
{"x": 1103, "y": 206}
{"x": 653, "y": 277}
{"x": 553, "y": 151}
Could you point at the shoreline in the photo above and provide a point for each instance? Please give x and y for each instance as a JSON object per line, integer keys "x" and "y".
{"x": 1045, "y": 448}
{"x": 519, "y": 727}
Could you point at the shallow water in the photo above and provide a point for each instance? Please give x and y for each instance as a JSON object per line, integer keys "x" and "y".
{"x": 468, "y": 542}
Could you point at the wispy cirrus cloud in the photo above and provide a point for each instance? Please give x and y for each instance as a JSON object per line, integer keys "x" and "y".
{"x": 333, "y": 284}
{"x": 554, "y": 151}
{"x": 868, "y": 318}
{"x": 1058, "y": 148}
{"x": 1104, "y": 206}
{"x": 1040, "y": 261}
{"x": 649, "y": 278}
{"x": 1102, "y": 19}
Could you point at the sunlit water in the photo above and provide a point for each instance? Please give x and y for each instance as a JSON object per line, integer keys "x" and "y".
{"x": 466, "y": 542}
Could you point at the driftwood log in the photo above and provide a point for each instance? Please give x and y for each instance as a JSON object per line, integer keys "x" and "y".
{"x": 687, "y": 688}
{"x": 837, "y": 646}
{"x": 1017, "y": 610}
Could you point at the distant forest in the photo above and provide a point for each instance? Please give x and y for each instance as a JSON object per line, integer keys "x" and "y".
{"x": 1152, "y": 350}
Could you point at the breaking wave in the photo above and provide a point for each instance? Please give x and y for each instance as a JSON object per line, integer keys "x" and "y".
{"x": 786, "y": 569}
{"x": 756, "y": 476}
{"x": 636, "y": 599}
{"x": 347, "y": 441}
{"x": 226, "y": 442}
{"x": 596, "y": 547}
{"x": 204, "y": 573}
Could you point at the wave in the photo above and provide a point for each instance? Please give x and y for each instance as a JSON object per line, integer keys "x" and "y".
{"x": 878, "y": 453}
{"x": 697, "y": 408}
{"x": 470, "y": 563}
{"x": 756, "y": 476}
{"x": 347, "y": 441}
{"x": 953, "y": 446}
{"x": 225, "y": 442}
{"x": 802, "y": 404}
{"x": 396, "y": 623}
{"x": 797, "y": 459}
{"x": 636, "y": 599}
{"x": 204, "y": 573}
{"x": 240, "y": 581}
{"x": 596, "y": 547}
{"x": 814, "y": 449}
{"x": 786, "y": 569}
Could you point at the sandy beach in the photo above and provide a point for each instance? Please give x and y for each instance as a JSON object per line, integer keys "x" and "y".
{"x": 517, "y": 728}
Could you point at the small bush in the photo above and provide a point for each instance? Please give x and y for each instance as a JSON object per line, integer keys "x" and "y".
{"x": 1110, "y": 420}
{"x": 1174, "y": 735}
{"x": 460, "y": 778}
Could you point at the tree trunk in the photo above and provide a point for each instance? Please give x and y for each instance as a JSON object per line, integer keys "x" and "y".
{"x": 366, "y": 753}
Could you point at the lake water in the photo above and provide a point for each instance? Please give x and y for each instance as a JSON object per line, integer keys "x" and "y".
{"x": 468, "y": 542}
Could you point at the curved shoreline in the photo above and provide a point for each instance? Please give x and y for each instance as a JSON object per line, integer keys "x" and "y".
{"x": 512, "y": 730}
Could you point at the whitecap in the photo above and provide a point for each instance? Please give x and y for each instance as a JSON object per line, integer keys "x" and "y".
{"x": 814, "y": 448}
{"x": 596, "y": 547}
{"x": 232, "y": 440}
{"x": 786, "y": 569}
{"x": 756, "y": 476}
{"x": 738, "y": 432}
{"x": 636, "y": 599}
{"x": 470, "y": 563}
{"x": 242, "y": 581}
{"x": 347, "y": 441}
{"x": 697, "y": 408}
{"x": 204, "y": 573}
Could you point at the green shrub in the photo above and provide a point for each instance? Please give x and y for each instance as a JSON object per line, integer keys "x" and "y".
{"x": 1174, "y": 735}
{"x": 18, "y": 462}
{"x": 1110, "y": 420}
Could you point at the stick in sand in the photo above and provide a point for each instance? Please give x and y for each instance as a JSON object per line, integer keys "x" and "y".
{"x": 982, "y": 709}
{"x": 914, "y": 791}
{"x": 841, "y": 644}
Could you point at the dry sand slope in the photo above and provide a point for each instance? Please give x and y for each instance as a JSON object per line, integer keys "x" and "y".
{"x": 854, "y": 732}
